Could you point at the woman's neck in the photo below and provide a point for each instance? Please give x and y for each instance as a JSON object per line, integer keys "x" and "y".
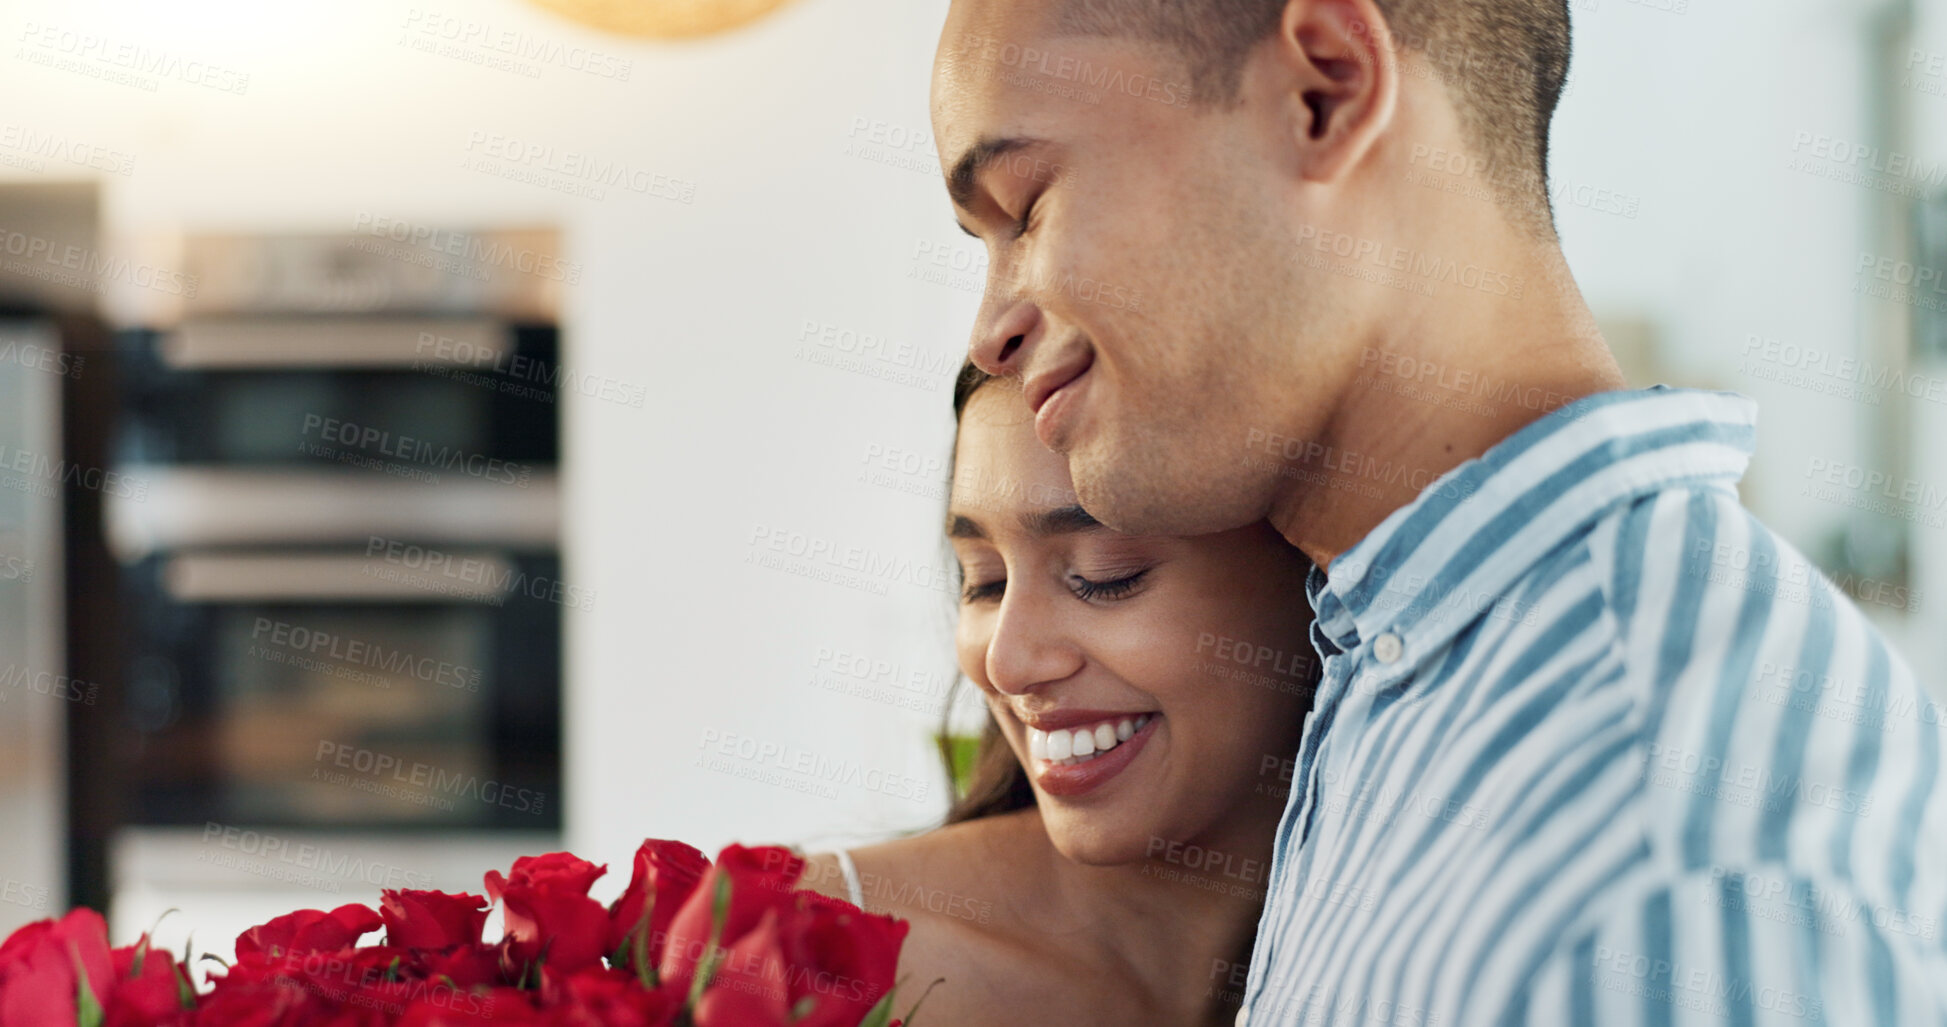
{"x": 1208, "y": 891}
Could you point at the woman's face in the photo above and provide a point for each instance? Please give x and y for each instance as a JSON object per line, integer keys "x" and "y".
{"x": 1153, "y": 687}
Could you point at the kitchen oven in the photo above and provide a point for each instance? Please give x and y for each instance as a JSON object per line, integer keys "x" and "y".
{"x": 338, "y": 601}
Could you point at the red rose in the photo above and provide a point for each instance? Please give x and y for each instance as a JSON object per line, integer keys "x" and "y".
{"x": 749, "y": 988}
{"x": 842, "y": 958}
{"x": 147, "y": 994}
{"x": 350, "y": 987}
{"x": 256, "y": 1006}
{"x": 725, "y": 1008}
{"x": 42, "y": 965}
{"x": 307, "y": 930}
{"x": 665, "y": 874}
{"x": 497, "y": 1007}
{"x": 759, "y": 879}
{"x": 379, "y": 986}
{"x": 549, "y": 916}
{"x": 468, "y": 966}
{"x": 432, "y": 919}
{"x": 597, "y": 997}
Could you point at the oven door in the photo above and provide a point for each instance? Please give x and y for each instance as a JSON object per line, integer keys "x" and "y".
{"x": 346, "y": 690}
{"x": 335, "y": 642}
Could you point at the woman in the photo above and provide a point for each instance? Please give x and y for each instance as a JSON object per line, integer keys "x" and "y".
{"x": 1107, "y": 864}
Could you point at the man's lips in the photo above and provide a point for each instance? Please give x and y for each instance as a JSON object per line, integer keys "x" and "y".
{"x": 1042, "y": 387}
{"x": 1053, "y": 395}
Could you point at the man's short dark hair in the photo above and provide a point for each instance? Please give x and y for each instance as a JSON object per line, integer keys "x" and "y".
{"x": 1503, "y": 62}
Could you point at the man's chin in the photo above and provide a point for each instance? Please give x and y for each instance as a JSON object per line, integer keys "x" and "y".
{"x": 1131, "y": 497}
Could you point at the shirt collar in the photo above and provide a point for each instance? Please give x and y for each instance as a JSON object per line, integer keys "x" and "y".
{"x": 1453, "y": 553}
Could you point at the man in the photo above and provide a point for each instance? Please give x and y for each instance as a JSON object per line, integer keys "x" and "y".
{"x": 1592, "y": 744}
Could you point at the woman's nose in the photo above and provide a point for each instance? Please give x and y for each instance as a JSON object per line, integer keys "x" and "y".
{"x": 1030, "y": 646}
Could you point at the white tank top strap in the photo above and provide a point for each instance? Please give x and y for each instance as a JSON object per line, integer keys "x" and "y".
{"x": 851, "y": 872}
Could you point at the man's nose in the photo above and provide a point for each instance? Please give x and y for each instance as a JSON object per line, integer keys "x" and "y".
{"x": 1001, "y": 342}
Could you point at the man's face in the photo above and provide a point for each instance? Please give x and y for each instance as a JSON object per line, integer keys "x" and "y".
{"x": 1142, "y": 286}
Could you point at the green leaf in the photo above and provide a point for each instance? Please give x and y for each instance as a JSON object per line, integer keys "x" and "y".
{"x": 907, "y": 1021}
{"x": 534, "y": 968}
{"x": 803, "y": 1007}
{"x": 881, "y": 1014}
{"x": 185, "y": 988}
{"x": 637, "y": 945}
{"x": 185, "y": 991}
{"x": 87, "y": 1008}
{"x": 707, "y": 968}
{"x": 142, "y": 947}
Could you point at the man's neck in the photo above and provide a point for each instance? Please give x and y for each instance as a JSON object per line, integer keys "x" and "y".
{"x": 1436, "y": 388}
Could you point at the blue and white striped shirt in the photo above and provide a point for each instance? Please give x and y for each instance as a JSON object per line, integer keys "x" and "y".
{"x": 1594, "y": 746}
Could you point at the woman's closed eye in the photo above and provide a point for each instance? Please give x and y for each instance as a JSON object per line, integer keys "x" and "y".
{"x": 1106, "y": 591}
{"x": 975, "y": 591}
{"x": 1085, "y": 589}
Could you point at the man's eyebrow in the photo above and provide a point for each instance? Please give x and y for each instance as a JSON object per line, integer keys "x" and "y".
{"x": 962, "y": 526}
{"x": 960, "y": 181}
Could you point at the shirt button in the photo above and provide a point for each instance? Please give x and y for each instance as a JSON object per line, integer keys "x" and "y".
{"x": 1388, "y": 648}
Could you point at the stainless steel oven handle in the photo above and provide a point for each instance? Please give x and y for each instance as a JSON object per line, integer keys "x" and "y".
{"x": 240, "y": 342}
{"x": 154, "y": 509}
{"x": 396, "y": 574}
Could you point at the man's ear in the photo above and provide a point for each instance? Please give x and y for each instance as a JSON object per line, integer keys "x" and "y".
{"x": 1340, "y": 62}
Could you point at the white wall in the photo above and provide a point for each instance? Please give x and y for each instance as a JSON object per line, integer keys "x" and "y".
{"x": 1928, "y": 95}
{"x": 704, "y": 303}
{"x": 1694, "y": 115}
{"x": 1715, "y": 119}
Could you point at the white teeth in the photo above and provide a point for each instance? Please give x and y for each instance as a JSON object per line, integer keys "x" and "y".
{"x": 1069, "y": 746}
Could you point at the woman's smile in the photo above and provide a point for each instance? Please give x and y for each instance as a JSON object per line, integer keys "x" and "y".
{"x": 1071, "y": 761}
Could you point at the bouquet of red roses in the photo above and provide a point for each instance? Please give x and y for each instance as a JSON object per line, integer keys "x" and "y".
{"x": 690, "y": 944}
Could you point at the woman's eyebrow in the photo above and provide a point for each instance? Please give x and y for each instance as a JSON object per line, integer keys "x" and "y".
{"x": 1062, "y": 520}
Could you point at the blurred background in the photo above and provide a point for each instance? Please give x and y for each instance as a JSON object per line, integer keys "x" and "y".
{"x": 432, "y": 434}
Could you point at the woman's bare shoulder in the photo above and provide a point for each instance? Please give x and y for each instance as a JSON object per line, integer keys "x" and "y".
{"x": 949, "y": 872}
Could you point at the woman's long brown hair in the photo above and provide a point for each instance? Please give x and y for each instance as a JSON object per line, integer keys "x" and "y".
{"x": 997, "y": 783}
